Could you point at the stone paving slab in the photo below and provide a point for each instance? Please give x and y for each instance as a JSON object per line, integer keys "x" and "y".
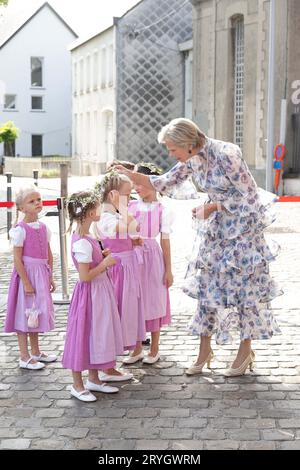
{"x": 162, "y": 408}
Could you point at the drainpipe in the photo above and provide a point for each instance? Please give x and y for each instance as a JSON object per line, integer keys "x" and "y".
{"x": 271, "y": 99}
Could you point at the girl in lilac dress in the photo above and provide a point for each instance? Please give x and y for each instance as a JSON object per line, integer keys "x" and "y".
{"x": 117, "y": 228}
{"x": 229, "y": 270}
{"x": 94, "y": 337}
{"x": 29, "y": 305}
{"x": 155, "y": 269}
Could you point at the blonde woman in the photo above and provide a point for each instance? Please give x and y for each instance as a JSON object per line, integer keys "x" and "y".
{"x": 230, "y": 272}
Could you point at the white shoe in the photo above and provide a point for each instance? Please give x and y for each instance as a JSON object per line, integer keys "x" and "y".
{"x": 44, "y": 358}
{"x": 100, "y": 387}
{"x": 29, "y": 365}
{"x": 151, "y": 359}
{"x": 84, "y": 395}
{"x": 197, "y": 368}
{"x": 115, "y": 378}
{"x": 248, "y": 362}
{"x": 133, "y": 359}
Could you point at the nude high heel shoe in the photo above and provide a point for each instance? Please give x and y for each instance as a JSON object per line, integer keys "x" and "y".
{"x": 248, "y": 362}
{"x": 197, "y": 368}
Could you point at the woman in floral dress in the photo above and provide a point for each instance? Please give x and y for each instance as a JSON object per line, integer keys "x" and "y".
{"x": 228, "y": 272}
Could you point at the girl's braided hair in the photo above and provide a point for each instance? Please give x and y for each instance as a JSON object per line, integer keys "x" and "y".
{"x": 111, "y": 181}
{"x": 79, "y": 204}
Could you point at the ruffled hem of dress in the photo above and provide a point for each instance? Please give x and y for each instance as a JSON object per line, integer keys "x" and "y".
{"x": 261, "y": 326}
{"x": 229, "y": 259}
{"x": 217, "y": 289}
{"x": 216, "y": 250}
{"x": 234, "y": 300}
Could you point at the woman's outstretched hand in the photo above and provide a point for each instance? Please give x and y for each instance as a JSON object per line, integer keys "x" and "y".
{"x": 121, "y": 169}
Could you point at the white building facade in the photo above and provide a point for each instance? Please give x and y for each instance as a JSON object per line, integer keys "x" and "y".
{"x": 35, "y": 78}
{"x": 93, "y": 103}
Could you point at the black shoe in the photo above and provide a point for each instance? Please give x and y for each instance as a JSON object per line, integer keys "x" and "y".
{"x": 146, "y": 342}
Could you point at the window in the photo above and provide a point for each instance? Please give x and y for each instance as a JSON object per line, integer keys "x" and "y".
{"x": 37, "y": 103}
{"x": 10, "y": 101}
{"x": 95, "y": 133}
{"x": 88, "y": 73}
{"x": 110, "y": 65}
{"x": 36, "y": 145}
{"x": 103, "y": 68}
{"x": 75, "y": 77}
{"x": 188, "y": 75}
{"x": 238, "y": 31}
{"x": 108, "y": 135}
{"x": 87, "y": 133}
{"x": 95, "y": 71}
{"x": 81, "y": 77}
{"x": 75, "y": 134}
{"x": 80, "y": 135}
{"x": 36, "y": 71}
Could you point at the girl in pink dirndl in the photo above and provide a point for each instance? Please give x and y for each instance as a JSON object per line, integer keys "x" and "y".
{"x": 29, "y": 305}
{"x": 117, "y": 230}
{"x": 94, "y": 337}
{"x": 155, "y": 269}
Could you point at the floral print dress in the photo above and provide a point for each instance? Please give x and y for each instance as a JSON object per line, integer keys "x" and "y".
{"x": 229, "y": 269}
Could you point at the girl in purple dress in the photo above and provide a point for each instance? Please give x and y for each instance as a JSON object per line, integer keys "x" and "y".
{"x": 117, "y": 229}
{"x": 155, "y": 269}
{"x": 29, "y": 305}
{"x": 94, "y": 337}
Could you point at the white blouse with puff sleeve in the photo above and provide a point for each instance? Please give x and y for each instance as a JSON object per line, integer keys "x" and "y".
{"x": 17, "y": 234}
{"x": 83, "y": 251}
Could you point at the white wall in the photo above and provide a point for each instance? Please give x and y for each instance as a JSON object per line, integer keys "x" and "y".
{"x": 93, "y": 107}
{"x": 44, "y": 36}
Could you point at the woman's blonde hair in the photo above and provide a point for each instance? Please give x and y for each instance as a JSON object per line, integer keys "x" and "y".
{"x": 20, "y": 196}
{"x": 182, "y": 132}
{"x": 111, "y": 181}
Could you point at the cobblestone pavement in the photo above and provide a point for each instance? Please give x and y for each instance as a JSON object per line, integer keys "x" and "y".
{"x": 162, "y": 408}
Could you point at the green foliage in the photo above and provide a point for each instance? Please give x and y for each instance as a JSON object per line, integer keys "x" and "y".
{"x": 8, "y": 132}
{"x": 3, "y": 2}
{"x": 54, "y": 173}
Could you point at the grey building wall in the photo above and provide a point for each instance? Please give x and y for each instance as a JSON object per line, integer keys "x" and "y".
{"x": 292, "y": 160}
{"x": 150, "y": 76}
{"x": 213, "y": 89}
{"x": 213, "y": 85}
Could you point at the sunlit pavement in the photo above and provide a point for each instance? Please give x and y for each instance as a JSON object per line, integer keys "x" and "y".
{"x": 162, "y": 408}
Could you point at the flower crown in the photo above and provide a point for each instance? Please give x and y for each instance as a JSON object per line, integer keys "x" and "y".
{"x": 79, "y": 203}
{"x": 100, "y": 187}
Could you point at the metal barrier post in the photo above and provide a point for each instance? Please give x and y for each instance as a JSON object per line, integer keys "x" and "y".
{"x": 9, "y": 198}
{"x": 64, "y": 172}
{"x": 63, "y": 251}
{"x": 35, "y": 177}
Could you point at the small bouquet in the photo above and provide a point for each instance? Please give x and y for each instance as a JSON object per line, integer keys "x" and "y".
{"x": 32, "y": 315}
